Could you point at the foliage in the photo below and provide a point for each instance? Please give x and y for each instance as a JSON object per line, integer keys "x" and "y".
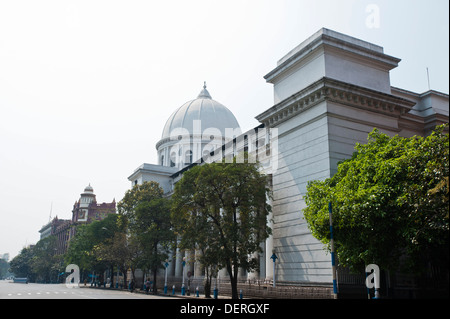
{"x": 21, "y": 264}
{"x": 143, "y": 193}
{"x": 4, "y": 267}
{"x": 38, "y": 263}
{"x": 149, "y": 224}
{"x": 390, "y": 203}
{"x": 44, "y": 262}
{"x": 81, "y": 247}
{"x": 221, "y": 210}
{"x": 138, "y": 237}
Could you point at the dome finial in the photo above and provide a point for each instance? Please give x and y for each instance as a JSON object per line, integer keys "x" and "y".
{"x": 204, "y": 94}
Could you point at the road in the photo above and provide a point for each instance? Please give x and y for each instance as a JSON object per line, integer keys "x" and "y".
{"x": 10, "y": 290}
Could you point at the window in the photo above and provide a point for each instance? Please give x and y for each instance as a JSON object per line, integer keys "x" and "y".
{"x": 173, "y": 156}
{"x": 207, "y": 152}
{"x": 188, "y": 157}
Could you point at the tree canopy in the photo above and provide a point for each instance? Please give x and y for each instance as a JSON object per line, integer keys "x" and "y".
{"x": 221, "y": 210}
{"x": 390, "y": 203}
{"x": 38, "y": 263}
{"x": 149, "y": 225}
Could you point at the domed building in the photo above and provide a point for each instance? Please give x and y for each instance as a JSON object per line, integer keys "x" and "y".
{"x": 196, "y": 128}
{"x": 86, "y": 209}
{"x": 330, "y": 92}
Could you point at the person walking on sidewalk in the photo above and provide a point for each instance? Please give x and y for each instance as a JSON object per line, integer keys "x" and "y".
{"x": 147, "y": 285}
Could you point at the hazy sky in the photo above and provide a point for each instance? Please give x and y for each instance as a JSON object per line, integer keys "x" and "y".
{"x": 87, "y": 86}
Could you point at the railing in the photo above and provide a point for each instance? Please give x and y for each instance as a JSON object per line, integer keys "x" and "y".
{"x": 253, "y": 289}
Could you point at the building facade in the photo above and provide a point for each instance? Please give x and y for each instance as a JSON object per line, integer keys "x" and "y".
{"x": 85, "y": 211}
{"x": 329, "y": 93}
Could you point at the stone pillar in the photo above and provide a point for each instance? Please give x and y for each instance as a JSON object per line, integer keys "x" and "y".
{"x": 223, "y": 273}
{"x": 242, "y": 274}
{"x": 198, "y": 266}
{"x": 190, "y": 258}
{"x": 178, "y": 262}
{"x": 171, "y": 267}
{"x": 269, "y": 247}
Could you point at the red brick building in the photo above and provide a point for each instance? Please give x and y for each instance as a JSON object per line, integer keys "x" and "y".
{"x": 85, "y": 211}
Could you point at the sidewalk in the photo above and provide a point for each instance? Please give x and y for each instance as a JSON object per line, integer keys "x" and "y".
{"x": 160, "y": 292}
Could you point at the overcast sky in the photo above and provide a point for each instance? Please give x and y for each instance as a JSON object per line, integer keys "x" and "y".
{"x": 87, "y": 86}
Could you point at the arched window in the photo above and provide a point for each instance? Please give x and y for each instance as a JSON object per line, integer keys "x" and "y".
{"x": 206, "y": 152}
{"x": 173, "y": 158}
{"x": 188, "y": 157}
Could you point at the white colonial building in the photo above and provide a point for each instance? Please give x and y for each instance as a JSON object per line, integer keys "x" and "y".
{"x": 329, "y": 93}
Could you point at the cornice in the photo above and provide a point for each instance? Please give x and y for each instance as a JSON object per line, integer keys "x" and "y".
{"x": 193, "y": 138}
{"x": 327, "y": 89}
{"x": 152, "y": 169}
{"x": 333, "y": 40}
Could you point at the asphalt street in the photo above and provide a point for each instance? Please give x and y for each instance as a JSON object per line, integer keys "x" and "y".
{"x": 10, "y": 290}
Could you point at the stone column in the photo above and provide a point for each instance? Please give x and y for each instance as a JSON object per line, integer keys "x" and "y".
{"x": 269, "y": 247}
{"x": 198, "y": 266}
{"x": 189, "y": 262}
{"x": 171, "y": 267}
{"x": 262, "y": 262}
{"x": 178, "y": 262}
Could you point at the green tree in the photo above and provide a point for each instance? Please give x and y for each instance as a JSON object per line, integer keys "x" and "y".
{"x": 44, "y": 262}
{"x": 4, "y": 267}
{"x": 81, "y": 250}
{"x": 119, "y": 250}
{"x": 221, "y": 210}
{"x": 38, "y": 263}
{"x": 149, "y": 224}
{"x": 390, "y": 203}
{"x": 21, "y": 265}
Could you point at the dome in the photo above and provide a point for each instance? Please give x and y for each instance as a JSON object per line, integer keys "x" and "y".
{"x": 89, "y": 189}
{"x": 211, "y": 113}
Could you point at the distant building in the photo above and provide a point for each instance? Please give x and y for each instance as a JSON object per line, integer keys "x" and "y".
{"x": 85, "y": 211}
{"x": 52, "y": 226}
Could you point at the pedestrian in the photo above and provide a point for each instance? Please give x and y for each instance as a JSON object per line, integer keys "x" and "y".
{"x": 131, "y": 285}
{"x": 147, "y": 286}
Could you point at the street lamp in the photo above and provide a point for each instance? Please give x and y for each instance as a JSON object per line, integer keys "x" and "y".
{"x": 274, "y": 257}
{"x": 183, "y": 289}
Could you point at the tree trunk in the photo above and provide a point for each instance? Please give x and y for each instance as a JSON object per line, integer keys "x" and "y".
{"x": 208, "y": 288}
{"x": 233, "y": 281}
{"x": 207, "y": 285}
{"x": 234, "y": 292}
{"x": 155, "y": 289}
